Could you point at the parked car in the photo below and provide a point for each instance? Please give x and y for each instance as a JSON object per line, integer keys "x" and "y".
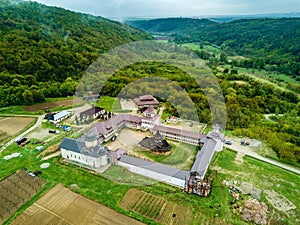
{"x": 66, "y": 128}
{"x": 228, "y": 142}
{"x": 39, "y": 148}
{"x": 54, "y": 131}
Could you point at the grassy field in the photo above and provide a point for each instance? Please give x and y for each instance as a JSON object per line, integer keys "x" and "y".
{"x": 207, "y": 48}
{"x": 109, "y": 104}
{"x": 262, "y": 76}
{"x": 181, "y": 156}
{"x": 15, "y": 110}
{"x": 215, "y": 209}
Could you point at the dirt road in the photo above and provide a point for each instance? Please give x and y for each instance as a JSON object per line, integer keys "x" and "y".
{"x": 236, "y": 146}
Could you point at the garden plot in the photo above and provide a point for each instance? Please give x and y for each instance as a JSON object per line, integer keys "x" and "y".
{"x": 62, "y": 206}
{"x": 156, "y": 208}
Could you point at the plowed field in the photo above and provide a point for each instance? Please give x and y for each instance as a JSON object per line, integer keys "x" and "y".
{"x": 62, "y": 206}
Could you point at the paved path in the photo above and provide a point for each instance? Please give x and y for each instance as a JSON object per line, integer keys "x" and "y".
{"x": 245, "y": 150}
{"x": 36, "y": 125}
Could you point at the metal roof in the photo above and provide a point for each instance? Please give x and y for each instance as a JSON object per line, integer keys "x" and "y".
{"x": 60, "y": 115}
{"x": 72, "y": 145}
{"x": 204, "y": 157}
{"x": 155, "y": 167}
{"x": 78, "y": 146}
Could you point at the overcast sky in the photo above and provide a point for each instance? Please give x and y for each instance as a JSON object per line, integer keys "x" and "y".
{"x": 168, "y": 8}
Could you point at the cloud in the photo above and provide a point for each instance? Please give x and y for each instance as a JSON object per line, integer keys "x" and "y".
{"x": 164, "y": 8}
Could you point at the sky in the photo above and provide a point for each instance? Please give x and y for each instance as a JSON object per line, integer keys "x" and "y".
{"x": 175, "y": 8}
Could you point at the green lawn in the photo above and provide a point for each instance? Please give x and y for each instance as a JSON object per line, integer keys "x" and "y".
{"x": 109, "y": 104}
{"x": 15, "y": 110}
{"x": 215, "y": 209}
{"x": 181, "y": 156}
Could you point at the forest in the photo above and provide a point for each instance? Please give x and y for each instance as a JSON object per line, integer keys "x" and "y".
{"x": 44, "y": 49}
{"x": 271, "y": 44}
{"x": 247, "y": 100}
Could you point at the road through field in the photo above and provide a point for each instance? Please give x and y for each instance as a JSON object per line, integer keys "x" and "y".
{"x": 36, "y": 125}
{"x": 236, "y": 146}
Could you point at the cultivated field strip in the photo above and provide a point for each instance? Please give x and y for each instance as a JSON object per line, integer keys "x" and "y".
{"x": 61, "y": 206}
{"x": 15, "y": 191}
{"x": 156, "y": 208}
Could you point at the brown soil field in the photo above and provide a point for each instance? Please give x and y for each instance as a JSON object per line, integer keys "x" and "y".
{"x": 156, "y": 208}
{"x": 15, "y": 190}
{"x": 51, "y": 105}
{"x": 13, "y": 125}
{"x": 62, "y": 206}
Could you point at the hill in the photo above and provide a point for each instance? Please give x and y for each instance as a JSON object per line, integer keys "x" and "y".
{"x": 54, "y": 43}
{"x": 270, "y": 44}
{"x": 171, "y": 25}
{"x": 50, "y": 44}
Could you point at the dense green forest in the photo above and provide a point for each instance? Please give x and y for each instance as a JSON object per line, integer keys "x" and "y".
{"x": 171, "y": 25}
{"x": 246, "y": 101}
{"x": 45, "y": 49}
{"x": 271, "y": 44}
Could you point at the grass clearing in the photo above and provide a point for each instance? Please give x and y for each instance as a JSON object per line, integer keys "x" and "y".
{"x": 266, "y": 177}
{"x": 110, "y": 104}
{"x": 15, "y": 110}
{"x": 181, "y": 156}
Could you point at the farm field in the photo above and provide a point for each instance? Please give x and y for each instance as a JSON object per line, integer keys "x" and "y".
{"x": 9, "y": 126}
{"x": 156, "y": 208}
{"x": 62, "y": 206}
{"x": 274, "y": 182}
{"x": 15, "y": 190}
{"x": 53, "y": 105}
{"x": 13, "y": 125}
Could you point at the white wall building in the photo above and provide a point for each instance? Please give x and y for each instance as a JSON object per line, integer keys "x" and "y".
{"x": 156, "y": 171}
{"x": 88, "y": 152}
{"x": 56, "y": 118}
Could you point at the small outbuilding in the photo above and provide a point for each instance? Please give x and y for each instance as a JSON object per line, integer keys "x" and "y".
{"x": 57, "y": 117}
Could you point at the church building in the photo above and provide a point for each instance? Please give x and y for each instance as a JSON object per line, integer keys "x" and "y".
{"x": 88, "y": 152}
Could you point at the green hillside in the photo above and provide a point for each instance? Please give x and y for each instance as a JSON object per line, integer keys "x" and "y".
{"x": 53, "y": 43}
{"x": 271, "y": 44}
{"x": 171, "y": 25}
{"x": 50, "y": 44}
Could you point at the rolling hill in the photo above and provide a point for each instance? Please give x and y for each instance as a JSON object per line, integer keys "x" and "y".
{"x": 171, "y": 25}
{"x": 271, "y": 44}
{"x": 52, "y": 43}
